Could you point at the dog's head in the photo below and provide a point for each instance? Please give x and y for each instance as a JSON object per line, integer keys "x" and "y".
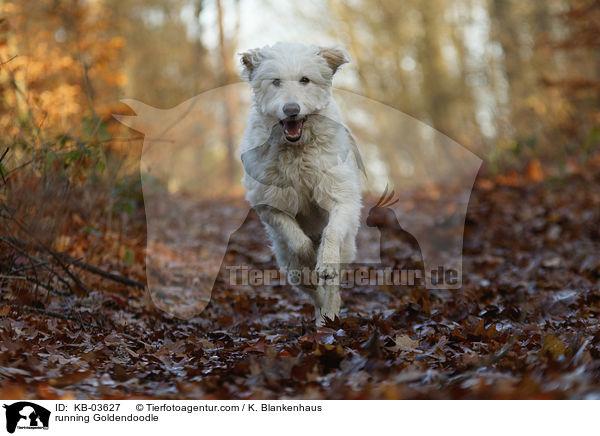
{"x": 291, "y": 82}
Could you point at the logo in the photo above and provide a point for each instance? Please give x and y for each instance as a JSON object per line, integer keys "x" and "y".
{"x": 26, "y": 415}
{"x": 189, "y": 224}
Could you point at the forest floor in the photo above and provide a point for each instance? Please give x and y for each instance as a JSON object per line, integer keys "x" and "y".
{"x": 524, "y": 325}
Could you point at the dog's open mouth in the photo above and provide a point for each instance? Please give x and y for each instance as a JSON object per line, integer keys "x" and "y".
{"x": 292, "y": 128}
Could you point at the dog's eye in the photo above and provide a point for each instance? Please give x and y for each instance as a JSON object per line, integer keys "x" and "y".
{"x": 277, "y": 82}
{"x": 304, "y": 80}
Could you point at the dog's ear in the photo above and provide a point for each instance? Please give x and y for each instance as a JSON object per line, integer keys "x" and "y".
{"x": 250, "y": 60}
{"x": 335, "y": 57}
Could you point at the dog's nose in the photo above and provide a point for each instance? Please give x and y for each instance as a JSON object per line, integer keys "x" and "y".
{"x": 291, "y": 109}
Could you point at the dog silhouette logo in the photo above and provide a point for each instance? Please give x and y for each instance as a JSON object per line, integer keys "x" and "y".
{"x": 191, "y": 179}
{"x": 383, "y": 217}
{"x": 26, "y": 415}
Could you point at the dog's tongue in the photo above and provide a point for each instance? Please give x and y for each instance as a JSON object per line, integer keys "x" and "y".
{"x": 292, "y": 128}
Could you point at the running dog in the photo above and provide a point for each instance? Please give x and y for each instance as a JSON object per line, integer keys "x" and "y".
{"x": 302, "y": 166}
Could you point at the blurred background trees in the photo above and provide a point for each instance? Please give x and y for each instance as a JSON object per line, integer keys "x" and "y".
{"x": 510, "y": 80}
{"x": 502, "y": 77}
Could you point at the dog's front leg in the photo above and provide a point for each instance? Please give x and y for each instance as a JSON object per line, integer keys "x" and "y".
{"x": 328, "y": 258}
{"x": 328, "y": 300}
{"x": 336, "y": 230}
{"x": 328, "y": 271}
{"x": 289, "y": 231}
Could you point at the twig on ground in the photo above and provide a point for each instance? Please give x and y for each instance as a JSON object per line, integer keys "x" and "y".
{"x": 65, "y": 268}
{"x": 52, "y": 253}
{"x": 6, "y": 62}
{"x": 78, "y": 319}
{"x": 1, "y": 168}
{"x": 20, "y": 247}
{"x": 65, "y": 261}
{"x": 102, "y": 273}
{"x": 24, "y": 268}
{"x": 50, "y": 313}
{"x": 36, "y": 282}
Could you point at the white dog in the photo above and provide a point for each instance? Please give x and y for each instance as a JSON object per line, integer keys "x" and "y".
{"x": 302, "y": 166}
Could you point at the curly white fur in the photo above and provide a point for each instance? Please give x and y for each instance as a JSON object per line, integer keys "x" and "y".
{"x": 307, "y": 192}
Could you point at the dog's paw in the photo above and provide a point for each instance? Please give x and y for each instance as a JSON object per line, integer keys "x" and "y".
{"x": 327, "y": 271}
{"x": 330, "y": 309}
